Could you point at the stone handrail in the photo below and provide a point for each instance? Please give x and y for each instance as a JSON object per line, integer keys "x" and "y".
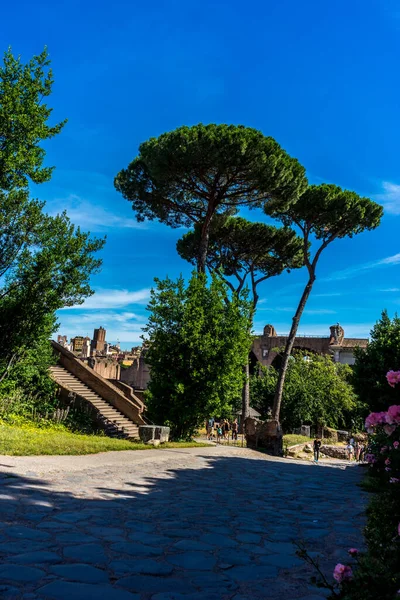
{"x": 128, "y": 404}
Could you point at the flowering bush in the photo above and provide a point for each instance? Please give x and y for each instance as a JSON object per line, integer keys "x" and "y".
{"x": 375, "y": 574}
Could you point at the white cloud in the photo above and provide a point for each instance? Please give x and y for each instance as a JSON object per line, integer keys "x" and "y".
{"x": 390, "y": 198}
{"x": 124, "y": 326}
{"x": 105, "y": 298}
{"x": 390, "y": 290}
{"x": 91, "y": 216}
{"x": 358, "y": 269}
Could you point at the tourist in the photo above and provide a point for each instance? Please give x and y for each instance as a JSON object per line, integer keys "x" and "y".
{"x": 235, "y": 430}
{"x": 317, "y": 445}
{"x": 361, "y": 453}
{"x": 210, "y": 428}
{"x": 226, "y": 429}
{"x": 350, "y": 450}
{"x": 219, "y": 433}
{"x": 357, "y": 450}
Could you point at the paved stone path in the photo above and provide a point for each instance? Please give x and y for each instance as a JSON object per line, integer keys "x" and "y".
{"x": 184, "y": 524}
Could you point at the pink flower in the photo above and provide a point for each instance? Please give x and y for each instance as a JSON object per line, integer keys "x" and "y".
{"x": 342, "y": 573}
{"x": 374, "y": 419}
{"x": 394, "y": 480}
{"x": 389, "y": 429}
{"x": 392, "y": 415}
{"x": 383, "y": 449}
{"x": 387, "y": 461}
{"x": 396, "y": 445}
{"x": 370, "y": 458}
{"x": 353, "y": 551}
{"x": 393, "y": 377}
{"x": 388, "y": 469}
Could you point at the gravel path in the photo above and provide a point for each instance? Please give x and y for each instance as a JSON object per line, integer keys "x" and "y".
{"x": 180, "y": 524}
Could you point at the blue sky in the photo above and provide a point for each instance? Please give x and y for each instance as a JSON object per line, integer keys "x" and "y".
{"x": 319, "y": 77}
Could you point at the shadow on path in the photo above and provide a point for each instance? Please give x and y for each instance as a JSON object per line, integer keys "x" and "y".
{"x": 197, "y": 526}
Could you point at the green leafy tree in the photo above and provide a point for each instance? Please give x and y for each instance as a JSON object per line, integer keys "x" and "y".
{"x": 381, "y": 355}
{"x": 317, "y": 392}
{"x": 45, "y": 267}
{"x": 189, "y": 175}
{"x": 241, "y": 251}
{"x": 28, "y": 390}
{"x": 197, "y": 346}
{"x": 323, "y": 213}
{"x": 24, "y": 120}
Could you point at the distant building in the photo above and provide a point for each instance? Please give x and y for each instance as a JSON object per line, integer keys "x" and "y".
{"x": 62, "y": 340}
{"x": 86, "y": 347}
{"x": 77, "y": 344}
{"x": 266, "y": 347}
{"x": 98, "y": 345}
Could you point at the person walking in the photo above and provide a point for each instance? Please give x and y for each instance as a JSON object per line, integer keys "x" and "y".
{"x": 226, "y": 429}
{"x": 235, "y": 430}
{"x": 361, "y": 453}
{"x": 350, "y": 450}
{"x": 219, "y": 433}
{"x": 357, "y": 450}
{"x": 317, "y": 446}
{"x": 210, "y": 428}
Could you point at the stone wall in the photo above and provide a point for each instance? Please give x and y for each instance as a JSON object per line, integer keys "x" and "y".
{"x": 106, "y": 367}
{"x": 137, "y": 375}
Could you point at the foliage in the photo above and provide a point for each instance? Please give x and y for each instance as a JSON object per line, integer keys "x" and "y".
{"x": 317, "y": 391}
{"x": 381, "y": 355}
{"x": 31, "y": 440}
{"x": 45, "y": 267}
{"x": 198, "y": 344}
{"x": 191, "y": 174}
{"x": 23, "y": 120}
{"x": 376, "y": 572}
{"x": 240, "y": 249}
{"x": 323, "y": 213}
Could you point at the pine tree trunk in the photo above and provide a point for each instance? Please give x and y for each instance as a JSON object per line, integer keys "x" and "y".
{"x": 276, "y": 409}
{"x": 205, "y": 236}
{"x": 246, "y": 394}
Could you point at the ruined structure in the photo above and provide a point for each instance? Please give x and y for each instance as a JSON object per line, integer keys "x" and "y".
{"x": 267, "y": 347}
{"x": 137, "y": 375}
{"x": 108, "y": 368}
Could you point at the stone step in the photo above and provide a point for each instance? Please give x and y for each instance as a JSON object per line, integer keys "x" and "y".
{"x": 116, "y": 424}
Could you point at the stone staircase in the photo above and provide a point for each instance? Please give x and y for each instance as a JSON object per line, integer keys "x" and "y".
{"x": 115, "y": 423}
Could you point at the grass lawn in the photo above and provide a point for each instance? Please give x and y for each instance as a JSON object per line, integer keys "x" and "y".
{"x": 293, "y": 439}
{"x": 28, "y": 440}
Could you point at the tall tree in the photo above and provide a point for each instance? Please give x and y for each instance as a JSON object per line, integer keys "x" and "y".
{"x": 240, "y": 250}
{"x": 24, "y": 120}
{"x": 381, "y": 355}
{"x": 189, "y": 175}
{"x": 197, "y": 346}
{"x": 323, "y": 213}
